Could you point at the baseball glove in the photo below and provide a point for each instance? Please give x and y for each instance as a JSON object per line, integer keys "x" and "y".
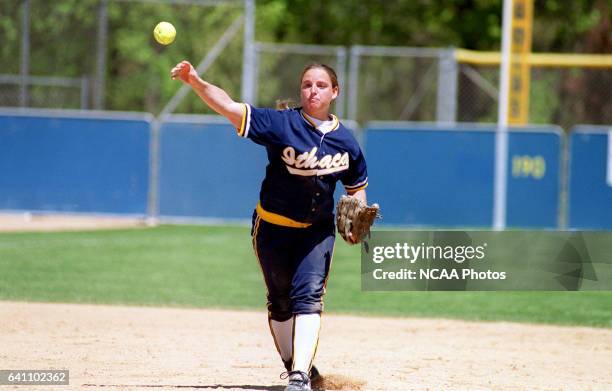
{"x": 354, "y": 217}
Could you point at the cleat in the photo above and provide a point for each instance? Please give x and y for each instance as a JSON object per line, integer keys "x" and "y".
{"x": 314, "y": 372}
{"x": 298, "y": 381}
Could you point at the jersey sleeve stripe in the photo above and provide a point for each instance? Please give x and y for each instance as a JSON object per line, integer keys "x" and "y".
{"x": 356, "y": 185}
{"x": 353, "y": 191}
{"x": 240, "y": 130}
{"x": 248, "y": 120}
{"x": 243, "y": 131}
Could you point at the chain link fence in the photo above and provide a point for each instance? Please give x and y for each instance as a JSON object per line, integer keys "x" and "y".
{"x": 46, "y": 53}
{"x": 80, "y": 54}
{"x": 570, "y": 96}
{"x": 387, "y": 84}
{"x": 420, "y": 84}
{"x": 562, "y": 96}
{"x": 279, "y": 67}
{"x": 477, "y": 93}
{"x": 44, "y": 92}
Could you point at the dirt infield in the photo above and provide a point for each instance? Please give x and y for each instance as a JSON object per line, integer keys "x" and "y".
{"x": 22, "y": 222}
{"x": 136, "y": 348}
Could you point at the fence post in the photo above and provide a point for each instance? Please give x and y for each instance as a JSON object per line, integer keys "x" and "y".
{"x": 256, "y": 59}
{"x": 248, "y": 53}
{"x": 25, "y": 54}
{"x": 341, "y": 69}
{"x": 446, "y": 102}
{"x": 353, "y": 89}
{"x": 98, "y": 101}
{"x": 84, "y": 92}
{"x": 563, "y": 213}
{"x": 154, "y": 169}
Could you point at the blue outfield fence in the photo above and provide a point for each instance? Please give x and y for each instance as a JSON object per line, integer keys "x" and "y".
{"x": 590, "y": 178}
{"x": 74, "y": 161}
{"x": 443, "y": 176}
{"x": 421, "y": 174}
{"x": 206, "y": 170}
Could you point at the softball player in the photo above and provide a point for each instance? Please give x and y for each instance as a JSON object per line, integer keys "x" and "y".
{"x": 293, "y": 230}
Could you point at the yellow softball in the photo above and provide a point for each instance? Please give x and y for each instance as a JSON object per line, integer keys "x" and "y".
{"x": 164, "y": 33}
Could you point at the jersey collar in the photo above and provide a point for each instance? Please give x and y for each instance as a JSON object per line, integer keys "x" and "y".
{"x": 322, "y": 126}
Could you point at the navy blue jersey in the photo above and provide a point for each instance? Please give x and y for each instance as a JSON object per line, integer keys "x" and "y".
{"x": 304, "y": 165}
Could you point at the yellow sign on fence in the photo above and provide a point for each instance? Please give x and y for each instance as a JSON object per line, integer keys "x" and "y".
{"x": 518, "y": 100}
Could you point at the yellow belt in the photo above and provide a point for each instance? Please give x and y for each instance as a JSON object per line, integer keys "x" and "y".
{"x": 277, "y": 219}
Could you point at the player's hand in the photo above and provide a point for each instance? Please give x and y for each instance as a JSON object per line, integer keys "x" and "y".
{"x": 184, "y": 71}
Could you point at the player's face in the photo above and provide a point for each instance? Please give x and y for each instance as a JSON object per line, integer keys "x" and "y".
{"x": 317, "y": 92}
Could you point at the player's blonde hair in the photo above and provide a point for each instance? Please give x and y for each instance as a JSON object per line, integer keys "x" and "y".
{"x": 284, "y": 104}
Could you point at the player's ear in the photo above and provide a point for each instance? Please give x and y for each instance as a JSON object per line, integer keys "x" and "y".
{"x": 335, "y": 92}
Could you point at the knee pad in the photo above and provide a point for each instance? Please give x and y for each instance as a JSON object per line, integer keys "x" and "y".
{"x": 307, "y": 307}
{"x": 280, "y": 310}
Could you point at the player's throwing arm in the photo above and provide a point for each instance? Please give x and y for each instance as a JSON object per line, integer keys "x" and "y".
{"x": 215, "y": 97}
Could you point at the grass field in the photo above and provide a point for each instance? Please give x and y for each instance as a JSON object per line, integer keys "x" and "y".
{"x": 214, "y": 266}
